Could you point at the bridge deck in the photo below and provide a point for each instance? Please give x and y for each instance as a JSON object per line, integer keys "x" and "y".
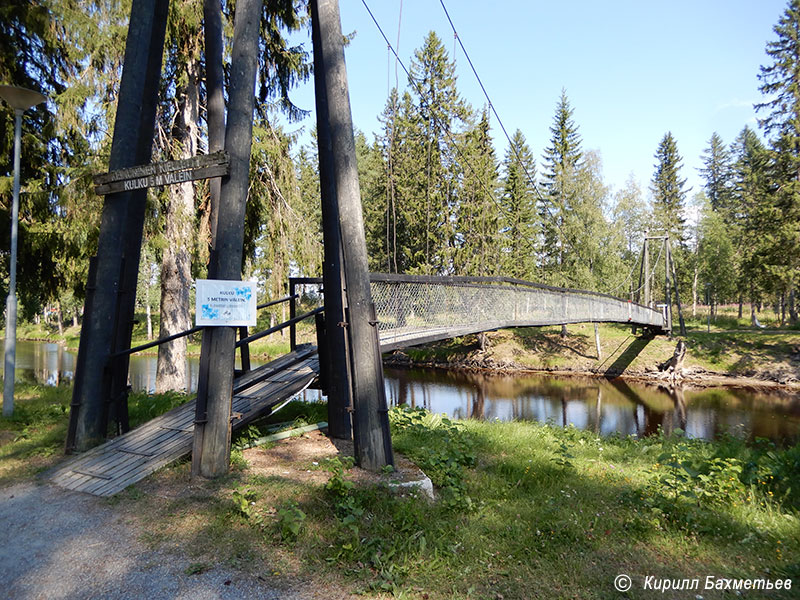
{"x": 126, "y": 459}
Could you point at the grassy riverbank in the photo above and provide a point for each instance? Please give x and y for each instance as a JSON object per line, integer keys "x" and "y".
{"x": 727, "y": 348}
{"x": 264, "y": 349}
{"x": 524, "y": 510}
{"x": 769, "y": 355}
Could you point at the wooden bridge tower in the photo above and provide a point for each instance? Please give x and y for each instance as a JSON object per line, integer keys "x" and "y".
{"x": 352, "y": 342}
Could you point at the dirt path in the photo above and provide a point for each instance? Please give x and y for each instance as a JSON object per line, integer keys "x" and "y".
{"x": 58, "y": 544}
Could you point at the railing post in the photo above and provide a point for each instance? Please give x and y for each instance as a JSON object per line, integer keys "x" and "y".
{"x": 292, "y": 313}
{"x": 244, "y": 350}
{"x": 322, "y": 352}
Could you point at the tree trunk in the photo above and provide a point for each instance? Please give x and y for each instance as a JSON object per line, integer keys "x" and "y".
{"x": 176, "y": 266}
{"x": 741, "y": 305}
{"x": 75, "y": 319}
{"x": 59, "y": 318}
{"x": 563, "y": 331}
{"x": 674, "y": 366}
{"x": 783, "y": 308}
{"x": 149, "y": 321}
{"x": 694, "y": 292}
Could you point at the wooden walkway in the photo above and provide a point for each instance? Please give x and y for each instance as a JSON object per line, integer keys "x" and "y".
{"x": 124, "y": 460}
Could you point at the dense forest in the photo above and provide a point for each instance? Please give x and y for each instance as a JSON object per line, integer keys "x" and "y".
{"x": 437, "y": 198}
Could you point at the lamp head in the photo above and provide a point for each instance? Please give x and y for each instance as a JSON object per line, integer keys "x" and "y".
{"x": 20, "y": 98}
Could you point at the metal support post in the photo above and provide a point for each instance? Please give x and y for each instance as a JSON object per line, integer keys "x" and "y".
{"x": 646, "y": 268}
{"x": 597, "y": 342}
{"x": 667, "y": 286}
{"x": 292, "y": 315}
{"x": 675, "y": 285}
{"x": 10, "y": 350}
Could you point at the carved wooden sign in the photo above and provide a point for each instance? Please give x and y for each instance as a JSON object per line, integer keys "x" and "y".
{"x": 163, "y": 173}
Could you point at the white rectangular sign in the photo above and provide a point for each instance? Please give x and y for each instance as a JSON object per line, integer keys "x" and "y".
{"x": 225, "y": 303}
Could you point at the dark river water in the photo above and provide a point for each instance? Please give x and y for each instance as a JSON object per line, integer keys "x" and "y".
{"x": 602, "y": 406}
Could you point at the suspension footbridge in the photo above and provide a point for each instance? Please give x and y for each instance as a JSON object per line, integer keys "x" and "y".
{"x": 410, "y": 310}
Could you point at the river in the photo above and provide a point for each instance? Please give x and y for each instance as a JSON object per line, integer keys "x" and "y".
{"x": 605, "y": 407}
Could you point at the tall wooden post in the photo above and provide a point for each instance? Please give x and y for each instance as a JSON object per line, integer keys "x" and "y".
{"x": 371, "y": 423}
{"x": 336, "y": 367}
{"x": 213, "y": 457}
{"x": 642, "y": 275}
{"x": 110, "y": 313}
{"x": 667, "y": 286}
{"x": 677, "y": 295}
{"x": 646, "y": 268}
{"x": 212, "y": 39}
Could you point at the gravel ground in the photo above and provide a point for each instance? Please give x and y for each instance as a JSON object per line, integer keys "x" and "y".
{"x": 58, "y": 544}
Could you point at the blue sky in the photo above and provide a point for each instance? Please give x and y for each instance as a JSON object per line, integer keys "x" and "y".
{"x": 632, "y": 70}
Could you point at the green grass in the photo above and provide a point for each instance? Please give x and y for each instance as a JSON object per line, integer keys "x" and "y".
{"x": 34, "y": 435}
{"x": 525, "y": 510}
{"x": 32, "y": 439}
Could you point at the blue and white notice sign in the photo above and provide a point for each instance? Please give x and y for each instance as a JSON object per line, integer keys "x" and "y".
{"x": 225, "y": 303}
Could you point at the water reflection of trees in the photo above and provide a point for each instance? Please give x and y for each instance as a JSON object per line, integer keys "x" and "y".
{"x": 599, "y": 405}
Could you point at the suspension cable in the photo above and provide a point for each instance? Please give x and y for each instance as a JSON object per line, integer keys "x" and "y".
{"x": 531, "y": 181}
{"x": 446, "y": 130}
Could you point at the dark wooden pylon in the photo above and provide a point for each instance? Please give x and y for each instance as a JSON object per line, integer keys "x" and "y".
{"x": 644, "y": 293}
{"x": 211, "y": 450}
{"x": 108, "y": 311}
{"x": 674, "y": 275}
{"x": 212, "y": 39}
{"x": 335, "y": 368}
{"x": 371, "y": 435}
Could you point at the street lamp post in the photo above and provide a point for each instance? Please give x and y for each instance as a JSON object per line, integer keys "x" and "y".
{"x": 20, "y": 99}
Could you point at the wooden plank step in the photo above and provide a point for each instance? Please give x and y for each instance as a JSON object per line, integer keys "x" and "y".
{"x": 251, "y": 377}
{"x": 113, "y": 466}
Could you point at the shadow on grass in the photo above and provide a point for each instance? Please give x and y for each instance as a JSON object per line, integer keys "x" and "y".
{"x": 624, "y": 360}
{"x": 547, "y": 343}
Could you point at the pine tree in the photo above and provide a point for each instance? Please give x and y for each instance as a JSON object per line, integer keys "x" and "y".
{"x": 521, "y": 225}
{"x": 41, "y": 46}
{"x": 669, "y": 197}
{"x": 180, "y": 135}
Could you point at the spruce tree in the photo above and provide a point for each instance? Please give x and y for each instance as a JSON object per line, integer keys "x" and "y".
{"x": 780, "y": 84}
{"x": 718, "y": 174}
{"x": 669, "y": 197}
{"x": 439, "y": 113}
{"x": 752, "y": 214}
{"x": 561, "y": 162}
{"x": 477, "y": 216}
{"x": 521, "y": 225}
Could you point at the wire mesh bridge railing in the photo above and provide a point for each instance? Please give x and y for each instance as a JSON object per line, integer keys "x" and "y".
{"x": 413, "y": 310}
